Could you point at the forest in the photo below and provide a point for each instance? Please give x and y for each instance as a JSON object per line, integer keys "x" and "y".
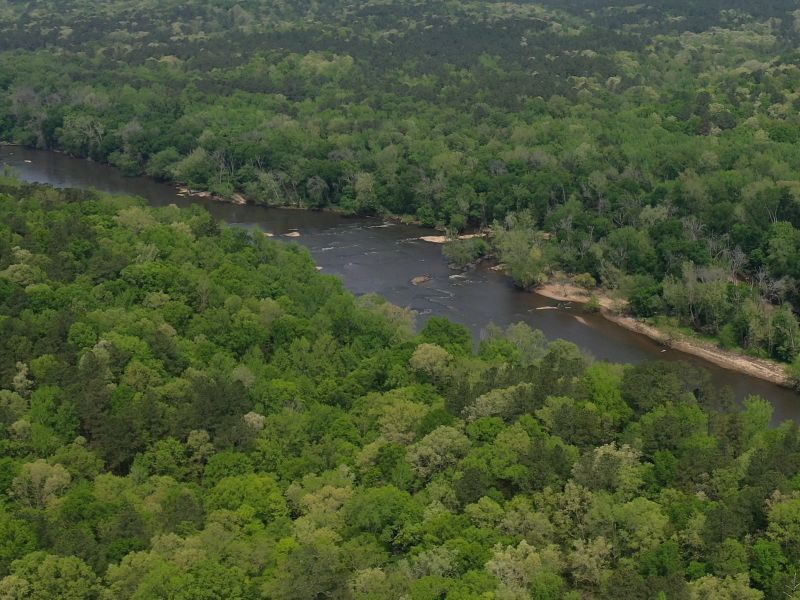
{"x": 651, "y": 150}
{"x": 192, "y": 411}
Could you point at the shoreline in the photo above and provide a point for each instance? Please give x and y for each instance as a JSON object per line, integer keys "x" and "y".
{"x": 766, "y": 370}
{"x": 561, "y": 291}
{"x": 238, "y": 198}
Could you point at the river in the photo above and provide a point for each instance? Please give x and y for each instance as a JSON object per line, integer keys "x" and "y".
{"x": 371, "y": 255}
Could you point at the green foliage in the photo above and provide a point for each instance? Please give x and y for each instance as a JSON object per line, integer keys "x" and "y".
{"x": 522, "y": 249}
{"x": 652, "y": 150}
{"x": 192, "y": 411}
{"x": 585, "y": 280}
{"x": 453, "y": 337}
{"x": 592, "y": 305}
{"x": 461, "y": 253}
{"x": 42, "y": 576}
{"x": 793, "y": 370}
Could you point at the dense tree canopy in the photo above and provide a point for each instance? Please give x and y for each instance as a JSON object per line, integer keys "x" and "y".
{"x": 651, "y": 147}
{"x": 192, "y": 411}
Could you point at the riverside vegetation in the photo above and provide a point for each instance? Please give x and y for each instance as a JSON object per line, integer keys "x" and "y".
{"x": 650, "y": 148}
{"x": 193, "y": 411}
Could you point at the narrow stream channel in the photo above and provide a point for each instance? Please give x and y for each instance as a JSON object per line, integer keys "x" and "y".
{"x": 371, "y": 255}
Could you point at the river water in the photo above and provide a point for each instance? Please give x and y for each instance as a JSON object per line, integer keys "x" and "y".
{"x": 371, "y": 255}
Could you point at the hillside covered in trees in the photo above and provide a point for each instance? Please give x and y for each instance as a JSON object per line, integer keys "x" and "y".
{"x": 192, "y": 411}
{"x": 651, "y": 147}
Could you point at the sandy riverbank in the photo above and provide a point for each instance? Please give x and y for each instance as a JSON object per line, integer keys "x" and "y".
{"x": 443, "y": 239}
{"x": 610, "y": 309}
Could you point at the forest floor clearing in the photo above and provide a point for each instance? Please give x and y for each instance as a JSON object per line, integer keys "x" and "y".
{"x": 610, "y": 308}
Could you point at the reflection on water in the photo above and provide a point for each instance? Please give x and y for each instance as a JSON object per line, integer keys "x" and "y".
{"x": 371, "y": 255}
